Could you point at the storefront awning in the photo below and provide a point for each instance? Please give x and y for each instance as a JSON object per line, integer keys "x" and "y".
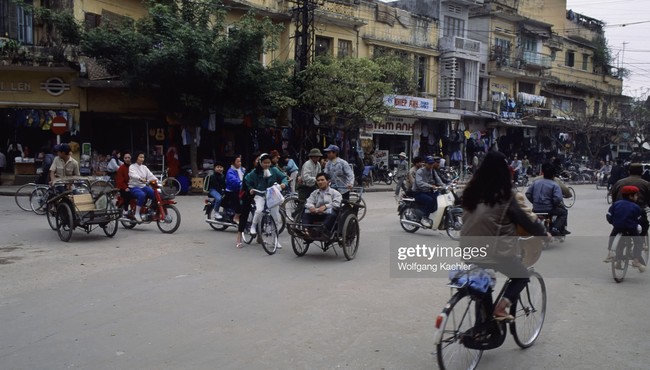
{"x": 425, "y": 115}
{"x": 510, "y": 123}
{"x": 21, "y": 104}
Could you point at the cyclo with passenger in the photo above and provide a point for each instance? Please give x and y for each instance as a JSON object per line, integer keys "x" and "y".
{"x": 328, "y": 219}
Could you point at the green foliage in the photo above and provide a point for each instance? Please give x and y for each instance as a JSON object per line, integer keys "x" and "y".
{"x": 602, "y": 54}
{"x": 184, "y": 51}
{"x": 352, "y": 90}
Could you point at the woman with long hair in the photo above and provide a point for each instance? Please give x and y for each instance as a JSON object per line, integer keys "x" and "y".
{"x": 491, "y": 217}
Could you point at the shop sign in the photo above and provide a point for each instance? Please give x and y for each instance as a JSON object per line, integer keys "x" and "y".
{"x": 15, "y": 86}
{"x": 366, "y": 131}
{"x": 409, "y": 103}
{"x": 381, "y": 156}
{"x": 395, "y": 126}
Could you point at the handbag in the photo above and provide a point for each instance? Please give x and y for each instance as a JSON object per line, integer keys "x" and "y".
{"x": 274, "y": 196}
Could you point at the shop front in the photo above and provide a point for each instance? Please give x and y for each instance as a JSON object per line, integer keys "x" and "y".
{"x": 32, "y": 101}
{"x": 391, "y": 137}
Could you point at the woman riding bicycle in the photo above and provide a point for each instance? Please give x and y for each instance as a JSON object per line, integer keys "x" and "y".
{"x": 491, "y": 217}
{"x": 261, "y": 178}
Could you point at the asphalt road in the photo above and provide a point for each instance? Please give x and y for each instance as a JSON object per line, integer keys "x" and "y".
{"x": 191, "y": 300}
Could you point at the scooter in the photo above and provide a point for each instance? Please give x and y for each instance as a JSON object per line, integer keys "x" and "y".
{"x": 162, "y": 211}
{"x": 448, "y": 216}
{"x": 222, "y": 223}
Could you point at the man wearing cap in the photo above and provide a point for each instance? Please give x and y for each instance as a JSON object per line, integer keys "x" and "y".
{"x": 546, "y": 197}
{"x": 636, "y": 170}
{"x": 339, "y": 170}
{"x": 308, "y": 173}
{"x": 426, "y": 190}
{"x": 402, "y": 171}
{"x": 63, "y": 165}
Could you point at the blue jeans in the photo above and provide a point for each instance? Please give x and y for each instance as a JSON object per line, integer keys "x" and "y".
{"x": 217, "y": 199}
{"x": 427, "y": 201}
{"x": 141, "y": 195}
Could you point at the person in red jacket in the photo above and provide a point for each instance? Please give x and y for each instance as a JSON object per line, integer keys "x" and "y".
{"x": 122, "y": 180}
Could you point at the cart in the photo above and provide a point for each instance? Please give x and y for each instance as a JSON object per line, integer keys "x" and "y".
{"x": 72, "y": 206}
{"x": 344, "y": 233}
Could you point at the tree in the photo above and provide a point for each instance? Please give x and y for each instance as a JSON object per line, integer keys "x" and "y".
{"x": 350, "y": 91}
{"x": 184, "y": 53}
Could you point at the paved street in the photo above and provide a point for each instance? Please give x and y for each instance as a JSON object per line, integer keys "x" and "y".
{"x": 191, "y": 300}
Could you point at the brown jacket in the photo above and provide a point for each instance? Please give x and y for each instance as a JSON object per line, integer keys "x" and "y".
{"x": 497, "y": 227}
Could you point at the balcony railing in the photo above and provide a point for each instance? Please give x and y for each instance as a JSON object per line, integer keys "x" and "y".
{"x": 455, "y": 43}
{"x": 456, "y": 103}
{"x": 535, "y": 59}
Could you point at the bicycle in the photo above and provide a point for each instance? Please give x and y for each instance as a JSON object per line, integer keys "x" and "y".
{"x": 356, "y": 196}
{"x": 267, "y": 228}
{"x": 102, "y": 184}
{"x": 569, "y": 202}
{"x": 624, "y": 245}
{"x": 170, "y": 185}
{"x": 466, "y": 328}
{"x": 23, "y": 193}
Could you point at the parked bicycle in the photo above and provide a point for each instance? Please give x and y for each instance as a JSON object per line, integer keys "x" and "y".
{"x": 22, "y": 196}
{"x": 466, "y": 327}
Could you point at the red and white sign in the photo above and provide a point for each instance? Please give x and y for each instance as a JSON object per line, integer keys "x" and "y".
{"x": 59, "y": 125}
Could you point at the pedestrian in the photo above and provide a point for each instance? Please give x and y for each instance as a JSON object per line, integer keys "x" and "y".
{"x": 310, "y": 169}
{"x": 400, "y": 174}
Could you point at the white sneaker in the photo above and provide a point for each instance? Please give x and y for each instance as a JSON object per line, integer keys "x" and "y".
{"x": 253, "y": 230}
{"x": 279, "y": 245}
{"x": 138, "y": 217}
{"x": 217, "y": 216}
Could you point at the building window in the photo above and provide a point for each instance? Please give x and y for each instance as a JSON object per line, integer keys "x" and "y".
{"x": 570, "y": 58}
{"x": 604, "y": 114}
{"x": 345, "y": 48}
{"x": 585, "y": 61}
{"x": 323, "y": 46}
{"x": 596, "y": 108}
{"x": 527, "y": 88}
{"x": 92, "y": 20}
{"x": 529, "y": 44}
{"x": 454, "y": 27}
{"x": 553, "y": 55}
{"x": 421, "y": 72}
{"x": 25, "y": 27}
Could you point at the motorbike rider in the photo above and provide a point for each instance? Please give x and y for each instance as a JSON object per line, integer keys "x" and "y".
{"x": 122, "y": 180}
{"x": 339, "y": 170}
{"x": 323, "y": 204}
{"x": 261, "y": 178}
{"x": 216, "y": 188}
{"x": 402, "y": 171}
{"x": 636, "y": 170}
{"x": 546, "y": 197}
{"x": 139, "y": 177}
{"x": 426, "y": 189}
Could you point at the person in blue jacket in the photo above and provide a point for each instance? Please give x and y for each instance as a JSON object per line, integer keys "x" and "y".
{"x": 234, "y": 179}
{"x": 624, "y": 215}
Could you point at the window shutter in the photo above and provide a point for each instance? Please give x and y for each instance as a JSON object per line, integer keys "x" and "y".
{"x": 12, "y": 13}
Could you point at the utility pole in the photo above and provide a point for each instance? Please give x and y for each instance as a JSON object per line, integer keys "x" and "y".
{"x": 623, "y": 56}
{"x": 303, "y": 14}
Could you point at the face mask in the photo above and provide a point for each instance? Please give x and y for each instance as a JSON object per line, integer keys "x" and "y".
{"x": 267, "y": 173}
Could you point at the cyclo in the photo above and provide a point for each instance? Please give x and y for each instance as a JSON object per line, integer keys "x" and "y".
{"x": 70, "y": 205}
{"x": 344, "y": 232}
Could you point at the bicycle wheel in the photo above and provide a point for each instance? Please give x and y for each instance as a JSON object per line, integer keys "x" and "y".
{"x": 621, "y": 262}
{"x": 38, "y": 199}
{"x": 569, "y": 202}
{"x": 458, "y": 316}
{"x": 22, "y": 196}
{"x": 585, "y": 178}
{"x": 51, "y": 216}
{"x": 283, "y": 223}
{"x": 608, "y": 197}
{"x": 350, "y": 237}
{"x": 356, "y": 198}
{"x": 100, "y": 186}
{"x": 64, "y": 221}
{"x": 289, "y": 206}
{"x": 408, "y": 214}
{"x": 247, "y": 237}
{"x": 269, "y": 233}
{"x": 299, "y": 246}
{"x": 171, "y": 186}
{"x": 529, "y": 312}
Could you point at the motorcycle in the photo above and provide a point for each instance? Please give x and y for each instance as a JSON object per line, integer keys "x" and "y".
{"x": 383, "y": 174}
{"x": 448, "y": 216}
{"x": 161, "y": 210}
{"x": 222, "y": 223}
